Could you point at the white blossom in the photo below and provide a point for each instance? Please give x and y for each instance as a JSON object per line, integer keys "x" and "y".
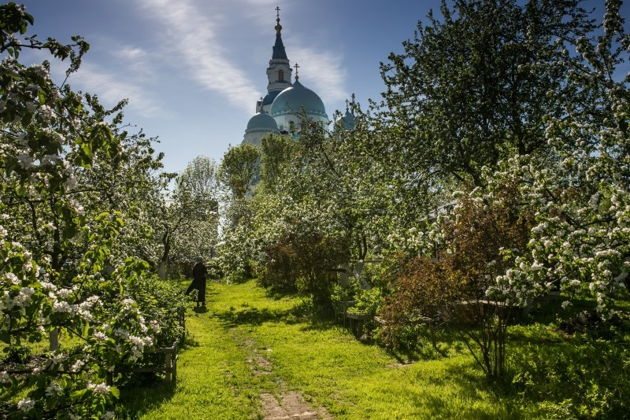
{"x": 64, "y": 293}
{"x": 77, "y": 366}
{"x": 53, "y": 389}
{"x": 63, "y": 307}
{"x": 25, "y": 404}
{"x": 99, "y": 389}
{"x": 13, "y": 279}
{"x": 100, "y": 336}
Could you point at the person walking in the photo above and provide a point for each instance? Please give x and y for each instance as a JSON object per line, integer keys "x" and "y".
{"x": 199, "y": 282}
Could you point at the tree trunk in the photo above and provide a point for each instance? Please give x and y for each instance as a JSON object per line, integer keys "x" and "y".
{"x": 53, "y": 339}
{"x": 163, "y": 270}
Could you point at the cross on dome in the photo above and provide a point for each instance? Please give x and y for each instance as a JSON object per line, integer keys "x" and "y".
{"x": 278, "y": 26}
{"x": 297, "y": 76}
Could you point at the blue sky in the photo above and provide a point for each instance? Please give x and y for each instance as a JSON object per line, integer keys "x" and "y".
{"x": 193, "y": 69}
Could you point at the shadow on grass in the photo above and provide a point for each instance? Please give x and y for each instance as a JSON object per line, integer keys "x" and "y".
{"x": 255, "y": 316}
{"x": 200, "y": 309}
{"x": 579, "y": 377}
{"x": 469, "y": 384}
{"x": 320, "y": 323}
{"x": 277, "y": 294}
{"x": 145, "y": 396}
{"x": 302, "y": 312}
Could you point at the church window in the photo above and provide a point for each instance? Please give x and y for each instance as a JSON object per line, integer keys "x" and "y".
{"x": 280, "y": 76}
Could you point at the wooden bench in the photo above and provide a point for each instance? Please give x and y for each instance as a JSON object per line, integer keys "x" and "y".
{"x": 357, "y": 320}
{"x": 341, "y": 310}
{"x": 169, "y": 367}
{"x": 170, "y": 363}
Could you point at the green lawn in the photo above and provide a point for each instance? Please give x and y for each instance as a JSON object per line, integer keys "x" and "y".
{"x": 218, "y": 376}
{"x": 214, "y": 381}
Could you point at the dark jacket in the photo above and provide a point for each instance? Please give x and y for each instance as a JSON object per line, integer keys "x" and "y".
{"x": 199, "y": 281}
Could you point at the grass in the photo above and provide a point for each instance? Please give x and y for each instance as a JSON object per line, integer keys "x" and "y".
{"x": 213, "y": 380}
{"x": 221, "y": 374}
{"x": 216, "y": 377}
{"x": 357, "y": 381}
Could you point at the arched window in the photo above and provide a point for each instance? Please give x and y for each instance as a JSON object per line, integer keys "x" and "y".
{"x": 280, "y": 76}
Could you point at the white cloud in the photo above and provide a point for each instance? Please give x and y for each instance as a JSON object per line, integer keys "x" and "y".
{"x": 262, "y": 2}
{"x": 197, "y": 36}
{"x": 110, "y": 88}
{"x": 322, "y": 72}
{"x": 137, "y": 60}
{"x": 130, "y": 53}
{"x": 112, "y": 84}
{"x": 261, "y": 12}
{"x": 194, "y": 40}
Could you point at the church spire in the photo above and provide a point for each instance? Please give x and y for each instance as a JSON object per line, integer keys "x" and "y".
{"x": 278, "y": 49}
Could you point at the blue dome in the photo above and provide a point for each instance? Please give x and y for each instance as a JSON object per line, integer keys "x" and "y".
{"x": 261, "y": 122}
{"x": 296, "y": 99}
{"x": 270, "y": 97}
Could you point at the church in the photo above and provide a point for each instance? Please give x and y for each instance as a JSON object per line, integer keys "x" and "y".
{"x": 286, "y": 103}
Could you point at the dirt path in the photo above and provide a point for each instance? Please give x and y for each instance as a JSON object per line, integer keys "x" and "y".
{"x": 291, "y": 405}
{"x": 288, "y": 404}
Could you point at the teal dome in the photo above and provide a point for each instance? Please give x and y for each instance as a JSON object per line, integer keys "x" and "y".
{"x": 258, "y": 127}
{"x": 261, "y": 122}
{"x": 296, "y": 99}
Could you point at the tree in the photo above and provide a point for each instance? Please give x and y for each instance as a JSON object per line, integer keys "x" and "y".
{"x": 189, "y": 215}
{"x": 239, "y": 169}
{"x": 579, "y": 244}
{"x": 197, "y": 191}
{"x": 68, "y": 183}
{"x": 478, "y": 86}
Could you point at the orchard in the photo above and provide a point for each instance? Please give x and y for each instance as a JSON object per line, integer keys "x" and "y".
{"x": 472, "y": 223}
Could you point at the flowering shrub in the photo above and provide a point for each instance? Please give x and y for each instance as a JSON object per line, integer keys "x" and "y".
{"x": 451, "y": 287}
{"x": 580, "y": 197}
{"x": 70, "y": 236}
{"x": 303, "y": 259}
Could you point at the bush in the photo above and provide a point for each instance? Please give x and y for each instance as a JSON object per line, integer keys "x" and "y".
{"x": 425, "y": 289}
{"x": 579, "y": 378}
{"x": 163, "y": 300}
{"x": 480, "y": 241}
{"x": 281, "y": 271}
{"x": 304, "y": 260}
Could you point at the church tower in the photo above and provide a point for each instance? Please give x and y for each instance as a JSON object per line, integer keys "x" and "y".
{"x": 278, "y": 72}
{"x": 286, "y": 104}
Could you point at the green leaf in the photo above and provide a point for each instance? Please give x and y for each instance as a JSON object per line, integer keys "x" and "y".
{"x": 78, "y": 394}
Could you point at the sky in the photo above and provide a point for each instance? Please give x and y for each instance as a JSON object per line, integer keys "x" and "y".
{"x": 192, "y": 70}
